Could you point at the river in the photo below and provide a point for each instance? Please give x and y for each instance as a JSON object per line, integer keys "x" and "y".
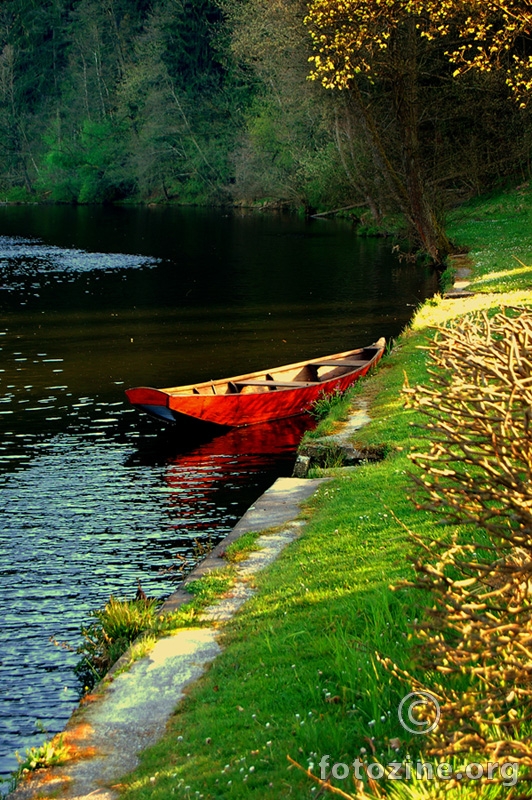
{"x": 94, "y": 496}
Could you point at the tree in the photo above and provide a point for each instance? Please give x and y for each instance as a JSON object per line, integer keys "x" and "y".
{"x": 174, "y": 96}
{"x": 399, "y": 51}
{"x": 486, "y": 35}
{"x": 287, "y": 147}
{"x": 31, "y": 58}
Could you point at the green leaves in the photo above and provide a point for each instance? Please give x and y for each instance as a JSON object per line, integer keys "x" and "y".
{"x": 90, "y": 169}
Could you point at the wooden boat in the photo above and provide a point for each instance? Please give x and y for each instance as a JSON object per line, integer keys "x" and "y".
{"x": 259, "y": 396}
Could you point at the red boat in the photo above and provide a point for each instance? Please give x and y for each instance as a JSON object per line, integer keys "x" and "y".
{"x": 259, "y": 396}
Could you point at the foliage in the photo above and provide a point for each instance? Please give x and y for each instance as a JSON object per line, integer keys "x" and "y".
{"x": 487, "y": 36}
{"x": 475, "y": 634}
{"x": 209, "y": 102}
{"x": 352, "y": 37}
{"x": 324, "y": 404}
{"x": 46, "y": 755}
{"x": 90, "y": 170}
{"x": 110, "y": 634}
{"x": 51, "y": 753}
{"x": 353, "y": 52}
{"x": 120, "y": 622}
{"x": 286, "y": 148}
{"x": 393, "y": 62}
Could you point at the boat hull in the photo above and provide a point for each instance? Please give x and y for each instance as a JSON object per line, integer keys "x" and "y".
{"x": 241, "y": 408}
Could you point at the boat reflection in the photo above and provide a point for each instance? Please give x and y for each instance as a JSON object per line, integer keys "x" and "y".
{"x": 210, "y": 484}
{"x": 238, "y": 453}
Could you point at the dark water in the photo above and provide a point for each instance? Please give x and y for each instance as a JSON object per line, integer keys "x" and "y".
{"x": 93, "y": 496}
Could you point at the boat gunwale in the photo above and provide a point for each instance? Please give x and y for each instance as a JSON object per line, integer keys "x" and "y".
{"x": 188, "y": 388}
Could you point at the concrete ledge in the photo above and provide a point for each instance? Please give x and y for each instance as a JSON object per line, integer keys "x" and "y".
{"x": 336, "y": 450}
{"x": 279, "y": 504}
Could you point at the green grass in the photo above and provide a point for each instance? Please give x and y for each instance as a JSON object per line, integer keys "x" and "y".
{"x": 135, "y": 625}
{"x": 327, "y": 404}
{"x": 498, "y": 230}
{"x": 333, "y": 409}
{"x": 239, "y": 550}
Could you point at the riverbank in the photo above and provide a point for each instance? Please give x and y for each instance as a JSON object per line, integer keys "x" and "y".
{"x": 298, "y": 675}
{"x": 74, "y": 270}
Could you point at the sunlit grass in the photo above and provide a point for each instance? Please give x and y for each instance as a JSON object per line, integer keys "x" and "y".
{"x": 497, "y": 230}
{"x": 133, "y": 626}
{"x": 239, "y": 549}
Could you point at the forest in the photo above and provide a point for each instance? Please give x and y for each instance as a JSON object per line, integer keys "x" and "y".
{"x": 401, "y": 108}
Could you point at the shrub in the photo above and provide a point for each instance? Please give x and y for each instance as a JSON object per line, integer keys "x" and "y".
{"x": 477, "y": 631}
{"x": 108, "y": 637}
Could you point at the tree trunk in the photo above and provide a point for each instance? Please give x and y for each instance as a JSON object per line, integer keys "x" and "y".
{"x": 409, "y": 193}
{"x": 356, "y": 176}
{"x": 422, "y": 215}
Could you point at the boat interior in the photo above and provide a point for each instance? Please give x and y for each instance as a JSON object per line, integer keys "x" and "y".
{"x": 293, "y": 376}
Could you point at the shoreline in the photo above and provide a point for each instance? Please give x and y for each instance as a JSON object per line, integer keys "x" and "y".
{"x": 297, "y": 675}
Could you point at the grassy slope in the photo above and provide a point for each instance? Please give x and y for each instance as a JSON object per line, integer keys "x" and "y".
{"x": 298, "y": 676}
{"x": 498, "y": 229}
